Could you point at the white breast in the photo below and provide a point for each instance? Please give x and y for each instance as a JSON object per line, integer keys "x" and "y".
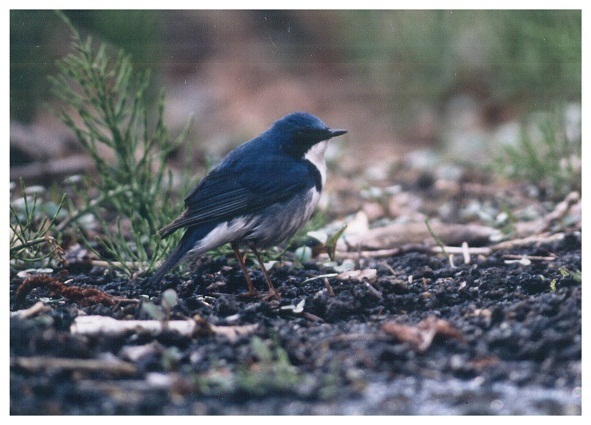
{"x": 316, "y": 156}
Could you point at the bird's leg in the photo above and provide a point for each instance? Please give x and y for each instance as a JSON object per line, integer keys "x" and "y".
{"x": 251, "y": 290}
{"x": 272, "y": 292}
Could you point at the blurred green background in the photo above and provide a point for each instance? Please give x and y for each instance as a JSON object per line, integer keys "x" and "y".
{"x": 391, "y": 76}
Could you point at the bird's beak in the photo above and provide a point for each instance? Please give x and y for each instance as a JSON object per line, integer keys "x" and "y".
{"x": 335, "y": 133}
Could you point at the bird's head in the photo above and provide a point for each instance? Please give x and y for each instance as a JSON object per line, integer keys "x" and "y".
{"x": 299, "y": 131}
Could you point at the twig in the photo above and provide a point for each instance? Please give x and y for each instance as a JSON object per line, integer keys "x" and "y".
{"x": 104, "y": 325}
{"x": 545, "y": 223}
{"x": 390, "y": 269}
{"x": 384, "y": 253}
{"x": 535, "y": 239}
{"x": 312, "y": 317}
{"x": 373, "y": 290}
{"x": 328, "y": 287}
{"x": 118, "y": 264}
{"x": 561, "y": 209}
{"x": 378, "y": 253}
{"x": 451, "y": 261}
{"x": 35, "y": 364}
{"x": 28, "y": 244}
{"x": 466, "y": 252}
{"x": 531, "y": 257}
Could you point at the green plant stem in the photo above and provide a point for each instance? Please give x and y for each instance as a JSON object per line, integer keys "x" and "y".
{"x": 437, "y": 240}
{"x": 90, "y": 208}
{"x": 28, "y": 244}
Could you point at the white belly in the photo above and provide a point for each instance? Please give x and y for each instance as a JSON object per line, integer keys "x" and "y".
{"x": 281, "y": 222}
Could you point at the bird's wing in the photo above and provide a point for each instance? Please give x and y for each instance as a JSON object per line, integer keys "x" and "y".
{"x": 237, "y": 189}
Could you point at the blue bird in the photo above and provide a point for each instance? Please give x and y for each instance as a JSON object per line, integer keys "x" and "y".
{"x": 258, "y": 196}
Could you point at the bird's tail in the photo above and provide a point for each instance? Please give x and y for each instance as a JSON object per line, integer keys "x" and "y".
{"x": 187, "y": 242}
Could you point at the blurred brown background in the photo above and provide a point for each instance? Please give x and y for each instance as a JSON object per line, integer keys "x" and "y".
{"x": 457, "y": 81}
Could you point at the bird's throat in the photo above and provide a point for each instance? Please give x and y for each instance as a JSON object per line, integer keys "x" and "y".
{"x": 316, "y": 156}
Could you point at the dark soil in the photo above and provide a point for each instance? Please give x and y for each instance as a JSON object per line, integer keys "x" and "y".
{"x": 517, "y": 349}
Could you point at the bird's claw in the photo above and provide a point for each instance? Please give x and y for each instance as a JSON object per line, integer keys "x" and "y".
{"x": 269, "y": 296}
{"x": 272, "y": 296}
{"x": 249, "y": 294}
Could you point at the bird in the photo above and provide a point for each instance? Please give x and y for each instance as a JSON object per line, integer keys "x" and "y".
{"x": 258, "y": 196}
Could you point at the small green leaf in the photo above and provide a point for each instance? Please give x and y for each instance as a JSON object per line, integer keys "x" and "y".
{"x": 331, "y": 243}
{"x": 303, "y": 254}
{"x": 152, "y": 310}
{"x": 169, "y": 299}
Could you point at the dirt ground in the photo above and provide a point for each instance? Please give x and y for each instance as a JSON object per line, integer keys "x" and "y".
{"x": 405, "y": 332}
{"x": 391, "y": 327}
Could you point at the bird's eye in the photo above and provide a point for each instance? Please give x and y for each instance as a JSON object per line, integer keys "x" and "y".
{"x": 299, "y": 136}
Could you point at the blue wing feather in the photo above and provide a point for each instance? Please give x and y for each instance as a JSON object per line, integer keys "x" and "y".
{"x": 238, "y": 187}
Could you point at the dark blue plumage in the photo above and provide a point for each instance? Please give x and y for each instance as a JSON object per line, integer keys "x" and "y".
{"x": 259, "y": 195}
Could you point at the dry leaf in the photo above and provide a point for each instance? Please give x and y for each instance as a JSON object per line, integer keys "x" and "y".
{"x": 368, "y": 274}
{"x": 421, "y": 336}
{"x": 233, "y": 332}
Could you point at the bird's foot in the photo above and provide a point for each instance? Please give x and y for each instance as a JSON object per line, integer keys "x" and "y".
{"x": 250, "y": 294}
{"x": 269, "y": 296}
{"x": 272, "y": 296}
